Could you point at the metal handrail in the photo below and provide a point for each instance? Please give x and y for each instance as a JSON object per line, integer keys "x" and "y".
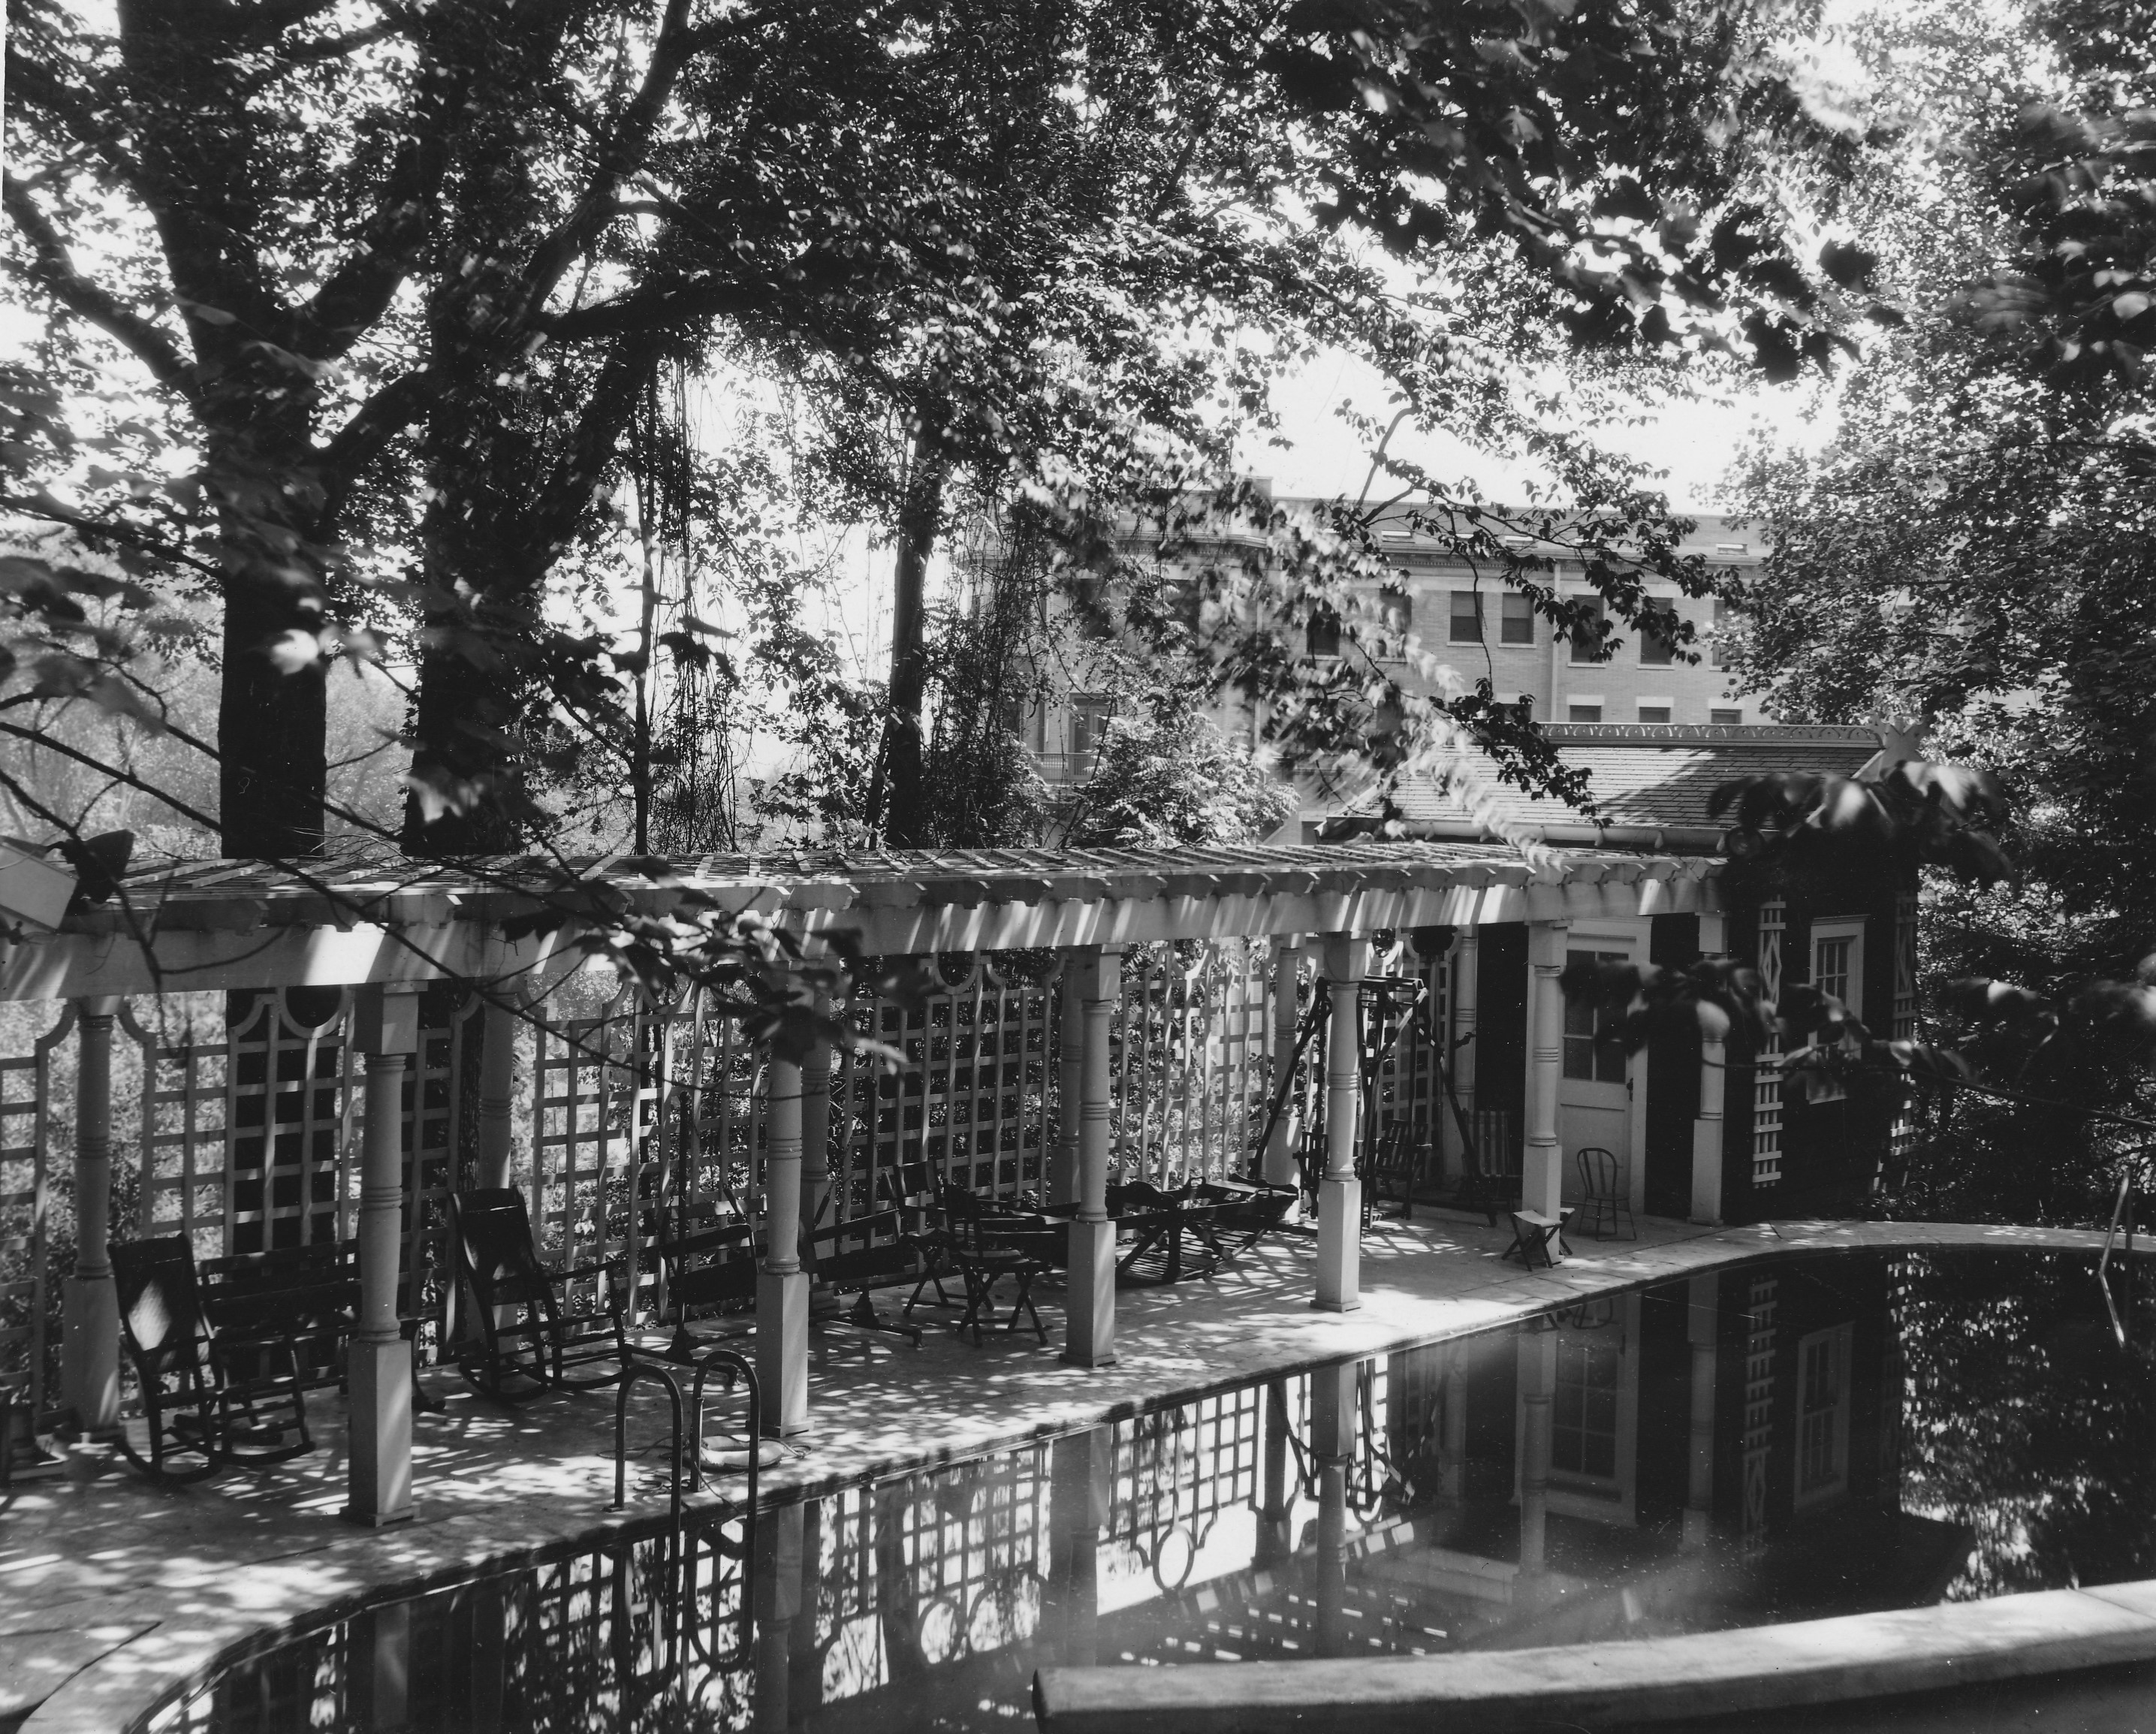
{"x": 2129, "y": 1169}
{"x": 734, "y": 1365}
{"x": 645, "y": 1369}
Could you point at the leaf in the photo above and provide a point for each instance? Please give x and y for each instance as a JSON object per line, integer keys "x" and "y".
{"x": 290, "y": 652}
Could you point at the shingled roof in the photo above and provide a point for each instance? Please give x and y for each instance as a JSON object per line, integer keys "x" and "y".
{"x": 1651, "y": 782}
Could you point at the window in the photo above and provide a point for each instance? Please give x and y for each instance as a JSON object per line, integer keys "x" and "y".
{"x": 1656, "y": 651}
{"x": 1723, "y": 623}
{"x": 1733, "y": 719}
{"x": 1322, "y": 635}
{"x": 1466, "y": 617}
{"x": 1578, "y": 712}
{"x": 1838, "y": 960}
{"x": 1823, "y": 1414}
{"x": 1653, "y": 713}
{"x": 1593, "y": 1047}
{"x": 1587, "y": 637}
{"x": 1090, "y": 715}
{"x": 1583, "y": 1408}
{"x": 1516, "y": 623}
{"x": 1397, "y": 607}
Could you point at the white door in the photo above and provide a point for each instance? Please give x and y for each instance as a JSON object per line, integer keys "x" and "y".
{"x": 1595, "y": 1095}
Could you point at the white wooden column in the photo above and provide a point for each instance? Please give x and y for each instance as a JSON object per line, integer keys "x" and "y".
{"x": 378, "y": 1473}
{"x": 1537, "y": 1377}
{"x": 1070, "y": 1062}
{"x": 782, "y": 1285}
{"x": 497, "y": 1091}
{"x": 1702, "y": 1298}
{"x": 1460, "y": 1057}
{"x": 1332, "y": 1410}
{"x": 1713, "y": 1076}
{"x": 1090, "y": 1326}
{"x": 1543, "y": 1169}
{"x": 817, "y": 1177}
{"x": 1279, "y": 1154}
{"x": 89, "y": 1343}
{"x": 1340, "y": 1193}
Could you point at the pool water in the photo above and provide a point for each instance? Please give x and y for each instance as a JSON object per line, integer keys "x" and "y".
{"x": 1796, "y": 1438}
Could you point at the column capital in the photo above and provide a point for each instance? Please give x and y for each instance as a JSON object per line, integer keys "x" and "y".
{"x": 1344, "y": 956}
{"x": 1097, "y": 972}
{"x": 1546, "y": 943}
{"x": 385, "y": 1018}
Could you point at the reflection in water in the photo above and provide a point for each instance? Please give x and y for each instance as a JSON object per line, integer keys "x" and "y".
{"x": 1812, "y": 1436}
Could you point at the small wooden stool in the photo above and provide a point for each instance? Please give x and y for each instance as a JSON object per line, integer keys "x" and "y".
{"x": 1533, "y": 1234}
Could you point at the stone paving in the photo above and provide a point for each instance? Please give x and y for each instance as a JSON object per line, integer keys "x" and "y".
{"x": 113, "y": 1591}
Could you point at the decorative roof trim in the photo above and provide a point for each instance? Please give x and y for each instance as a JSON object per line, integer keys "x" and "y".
{"x": 1705, "y": 734}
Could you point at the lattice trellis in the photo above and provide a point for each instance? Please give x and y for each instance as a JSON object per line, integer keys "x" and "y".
{"x": 1180, "y": 1467}
{"x": 1901, "y": 1137}
{"x": 1767, "y": 1075}
{"x": 1191, "y": 1047}
{"x": 1759, "y": 1405}
{"x": 248, "y": 1136}
{"x": 26, "y": 1096}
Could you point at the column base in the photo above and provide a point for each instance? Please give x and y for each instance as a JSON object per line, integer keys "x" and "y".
{"x": 781, "y": 1351}
{"x": 378, "y": 1471}
{"x": 90, "y": 1355}
{"x": 1339, "y": 1245}
{"x": 1541, "y": 1179}
{"x": 1698, "y": 1526}
{"x": 1706, "y": 1173}
{"x": 1089, "y": 1334}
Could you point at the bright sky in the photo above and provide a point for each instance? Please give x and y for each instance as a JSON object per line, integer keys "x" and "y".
{"x": 1692, "y": 443}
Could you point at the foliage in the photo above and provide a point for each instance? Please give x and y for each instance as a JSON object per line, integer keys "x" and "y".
{"x": 1170, "y": 775}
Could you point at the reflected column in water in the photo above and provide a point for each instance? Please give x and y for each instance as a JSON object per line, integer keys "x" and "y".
{"x": 805, "y": 1684}
{"x": 380, "y": 1668}
{"x": 1082, "y": 1486}
{"x": 777, "y": 1588}
{"x": 1275, "y": 1504}
{"x": 1538, "y": 1375}
{"x": 1703, "y": 1298}
{"x": 1333, "y": 1412}
{"x": 489, "y": 1612}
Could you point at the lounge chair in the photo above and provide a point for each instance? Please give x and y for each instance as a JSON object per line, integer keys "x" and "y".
{"x": 866, "y": 1254}
{"x": 547, "y": 1340}
{"x": 989, "y": 1244}
{"x": 205, "y": 1392}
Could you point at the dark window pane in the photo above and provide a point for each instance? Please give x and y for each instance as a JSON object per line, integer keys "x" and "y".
{"x": 1466, "y": 617}
{"x": 1516, "y": 625}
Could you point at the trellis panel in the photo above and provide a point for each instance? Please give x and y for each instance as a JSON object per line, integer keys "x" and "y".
{"x": 1190, "y": 1055}
{"x": 1767, "y": 1073}
{"x": 26, "y": 1156}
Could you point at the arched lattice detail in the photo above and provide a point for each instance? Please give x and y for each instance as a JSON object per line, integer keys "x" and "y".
{"x": 247, "y": 1138}
{"x": 26, "y": 1141}
{"x": 1190, "y": 1056}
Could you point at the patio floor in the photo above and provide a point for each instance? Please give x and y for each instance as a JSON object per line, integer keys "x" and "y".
{"x": 112, "y": 1591}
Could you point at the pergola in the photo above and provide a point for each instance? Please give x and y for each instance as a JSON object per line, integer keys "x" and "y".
{"x": 386, "y": 928}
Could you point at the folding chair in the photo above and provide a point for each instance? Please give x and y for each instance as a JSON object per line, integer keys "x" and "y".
{"x": 498, "y": 1272}
{"x": 987, "y": 1245}
{"x": 1534, "y": 1233}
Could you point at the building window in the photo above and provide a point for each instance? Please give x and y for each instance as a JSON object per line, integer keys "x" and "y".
{"x": 1576, "y": 711}
{"x": 1090, "y": 715}
{"x": 1656, "y": 711}
{"x": 1322, "y": 635}
{"x": 1656, "y": 651}
{"x": 1593, "y": 1047}
{"x": 1723, "y": 622}
{"x": 1732, "y": 719}
{"x": 1583, "y": 1408}
{"x": 1838, "y": 960}
{"x": 1516, "y": 623}
{"x": 1823, "y": 1415}
{"x": 1466, "y": 616}
{"x": 1586, "y": 641}
{"x": 1397, "y": 607}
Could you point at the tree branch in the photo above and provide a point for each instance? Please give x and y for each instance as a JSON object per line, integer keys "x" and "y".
{"x": 344, "y": 457}
{"x": 53, "y": 271}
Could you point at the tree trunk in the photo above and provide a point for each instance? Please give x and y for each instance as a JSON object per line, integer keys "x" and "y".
{"x": 907, "y": 825}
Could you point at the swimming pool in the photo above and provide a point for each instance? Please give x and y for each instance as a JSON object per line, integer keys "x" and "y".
{"x": 1817, "y": 1435}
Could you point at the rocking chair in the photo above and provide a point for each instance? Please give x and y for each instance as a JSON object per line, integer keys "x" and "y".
{"x": 207, "y": 1392}
{"x": 547, "y": 1338}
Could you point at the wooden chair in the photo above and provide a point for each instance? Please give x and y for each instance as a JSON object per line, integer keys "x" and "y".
{"x": 1491, "y": 1180}
{"x": 205, "y": 1391}
{"x": 913, "y": 1190}
{"x": 988, "y": 1245}
{"x": 1604, "y": 1194}
{"x": 546, "y": 1339}
{"x": 1390, "y": 1170}
{"x": 707, "y": 1259}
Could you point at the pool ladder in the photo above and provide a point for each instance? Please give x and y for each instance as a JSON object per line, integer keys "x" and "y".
{"x": 689, "y": 1449}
